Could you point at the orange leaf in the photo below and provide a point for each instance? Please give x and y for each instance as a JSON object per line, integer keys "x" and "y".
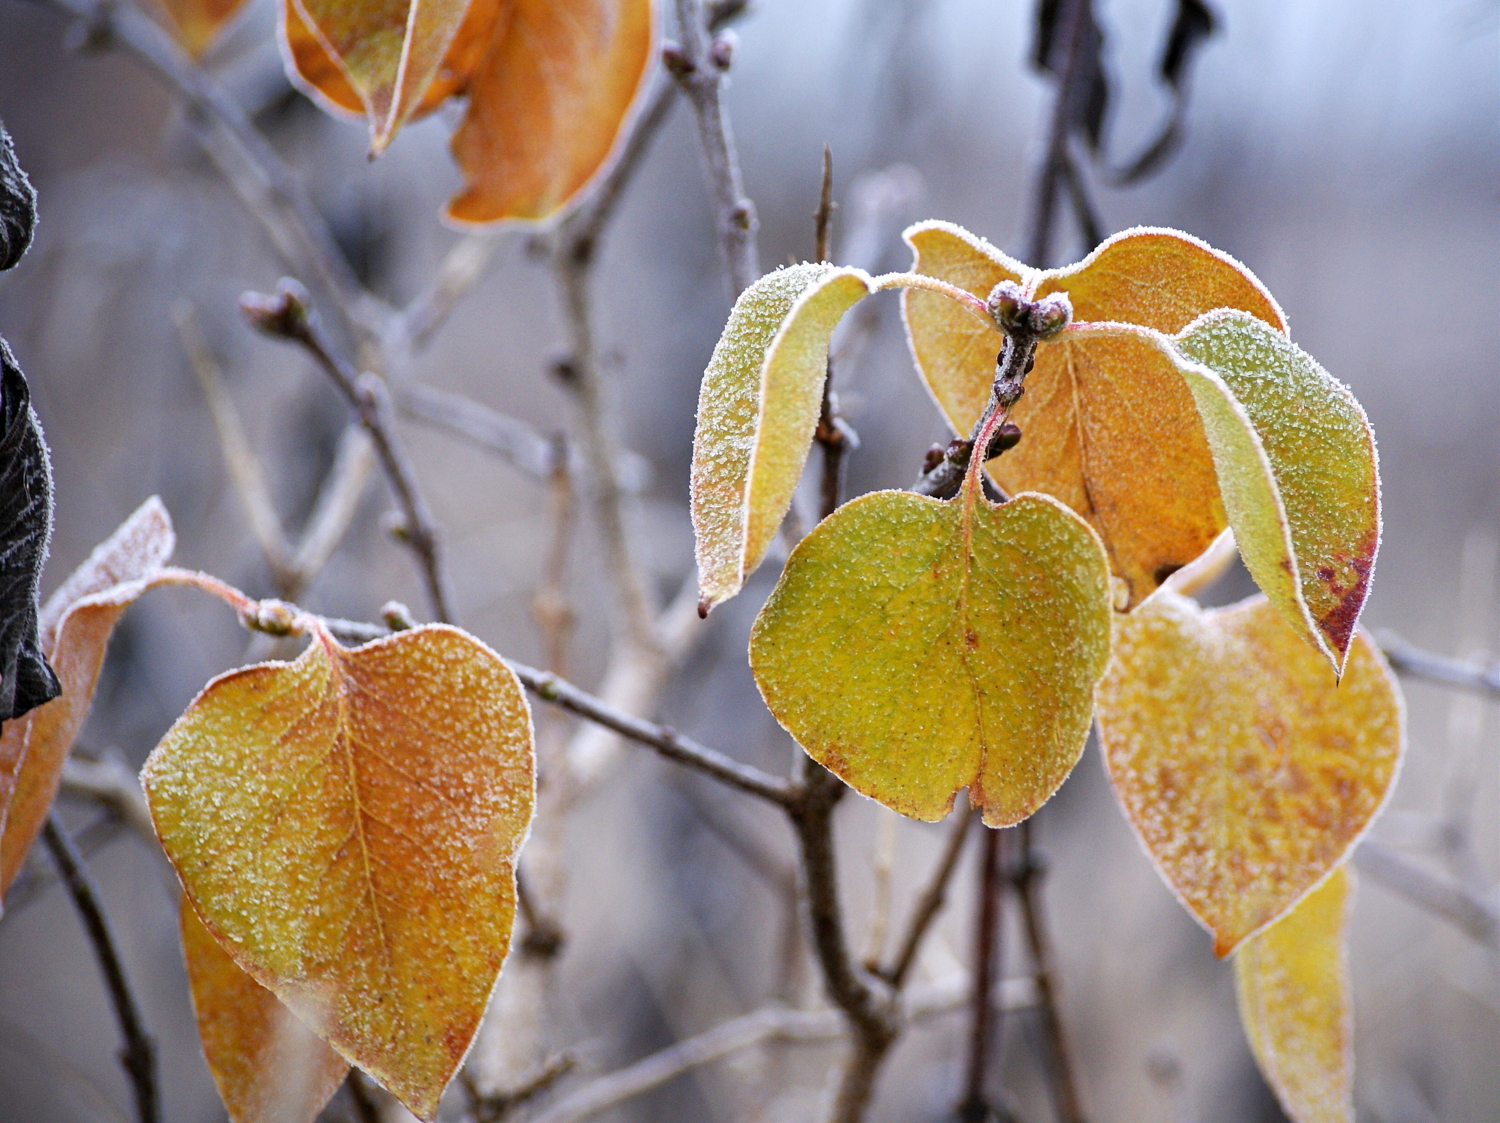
{"x": 270, "y": 1068}
{"x": 1109, "y": 427}
{"x": 195, "y": 23}
{"x": 1293, "y": 986}
{"x": 375, "y": 56}
{"x": 547, "y": 105}
{"x": 1247, "y": 770}
{"x": 75, "y": 627}
{"x": 346, "y": 826}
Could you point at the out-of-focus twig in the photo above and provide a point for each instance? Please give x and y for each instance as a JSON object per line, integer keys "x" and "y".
{"x": 989, "y": 960}
{"x": 138, "y": 1057}
{"x": 514, "y": 441}
{"x": 1407, "y": 659}
{"x": 1436, "y": 892}
{"x": 1072, "y": 22}
{"x": 111, "y": 782}
{"x": 929, "y": 903}
{"x": 492, "y": 1107}
{"x": 336, "y": 504}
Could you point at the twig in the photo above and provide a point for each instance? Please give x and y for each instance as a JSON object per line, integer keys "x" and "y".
{"x": 514, "y": 441}
{"x": 289, "y": 315}
{"x": 698, "y": 64}
{"x": 336, "y": 505}
{"x": 1027, "y": 877}
{"x": 1085, "y": 214}
{"x": 1069, "y": 38}
{"x": 1437, "y": 893}
{"x": 111, "y": 782}
{"x": 832, "y": 434}
{"x": 989, "y": 960}
{"x": 1407, "y": 659}
{"x": 495, "y": 1106}
{"x": 138, "y": 1056}
{"x": 929, "y": 904}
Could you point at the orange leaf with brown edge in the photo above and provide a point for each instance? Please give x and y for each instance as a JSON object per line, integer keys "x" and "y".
{"x": 1108, "y": 425}
{"x": 346, "y": 826}
{"x": 1245, "y": 768}
{"x": 548, "y": 104}
{"x": 196, "y": 23}
{"x": 268, "y": 1066}
{"x": 76, "y": 623}
{"x": 315, "y": 72}
{"x": 386, "y": 54}
{"x": 1292, "y": 982}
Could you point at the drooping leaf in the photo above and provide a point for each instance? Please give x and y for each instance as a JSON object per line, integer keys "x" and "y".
{"x": 1301, "y": 482}
{"x": 1246, "y": 769}
{"x": 1191, "y": 27}
{"x": 757, "y": 410}
{"x": 268, "y": 1066}
{"x": 196, "y": 23}
{"x": 26, "y": 681}
{"x": 1294, "y": 996}
{"x": 76, "y": 623}
{"x": 1109, "y": 427}
{"x": 388, "y": 53}
{"x": 915, "y": 646}
{"x": 17, "y": 205}
{"x": 346, "y": 826}
{"x": 547, "y": 104}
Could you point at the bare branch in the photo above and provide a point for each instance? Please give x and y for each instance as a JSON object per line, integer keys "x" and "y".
{"x": 337, "y": 502}
{"x": 139, "y": 1056}
{"x": 514, "y": 441}
{"x": 929, "y": 903}
{"x": 1072, "y": 22}
{"x": 111, "y": 782}
{"x": 989, "y": 960}
{"x": 1437, "y": 893}
{"x": 1407, "y": 659}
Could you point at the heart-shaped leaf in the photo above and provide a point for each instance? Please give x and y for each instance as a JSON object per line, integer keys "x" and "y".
{"x": 1293, "y": 986}
{"x": 1301, "y": 482}
{"x": 914, "y": 647}
{"x": 269, "y": 1067}
{"x": 76, "y": 623}
{"x": 757, "y": 410}
{"x": 1246, "y": 768}
{"x": 547, "y": 104}
{"x": 1109, "y": 428}
{"x": 346, "y": 826}
{"x": 196, "y": 23}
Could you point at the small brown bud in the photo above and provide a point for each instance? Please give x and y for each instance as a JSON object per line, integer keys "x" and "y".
{"x": 721, "y": 51}
{"x": 1003, "y": 439}
{"x": 676, "y": 60}
{"x": 1007, "y": 306}
{"x": 933, "y": 458}
{"x": 273, "y": 617}
{"x": 397, "y": 616}
{"x": 286, "y": 313}
{"x": 1051, "y": 314}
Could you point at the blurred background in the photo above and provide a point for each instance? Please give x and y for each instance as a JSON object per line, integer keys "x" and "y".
{"x": 1347, "y": 151}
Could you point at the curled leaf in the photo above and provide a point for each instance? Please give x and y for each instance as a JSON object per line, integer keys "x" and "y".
{"x": 547, "y": 103}
{"x": 1108, "y": 427}
{"x": 268, "y": 1066}
{"x": 17, "y": 205}
{"x": 1298, "y": 471}
{"x": 346, "y": 826}
{"x": 1246, "y": 769}
{"x": 1292, "y": 981}
{"x": 914, "y": 647}
{"x": 76, "y": 623}
{"x": 757, "y": 410}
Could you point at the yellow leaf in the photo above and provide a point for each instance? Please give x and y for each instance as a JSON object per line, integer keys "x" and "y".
{"x": 1246, "y": 769}
{"x": 76, "y": 623}
{"x": 386, "y": 53}
{"x": 195, "y": 23}
{"x": 346, "y": 826}
{"x": 1108, "y": 426}
{"x": 915, "y": 646}
{"x": 1300, "y": 480}
{"x": 1293, "y": 986}
{"x": 547, "y": 104}
{"x": 757, "y": 411}
{"x": 269, "y": 1067}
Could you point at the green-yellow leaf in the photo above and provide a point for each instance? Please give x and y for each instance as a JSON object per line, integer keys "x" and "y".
{"x": 76, "y": 623}
{"x": 1300, "y": 481}
{"x": 346, "y": 826}
{"x": 1108, "y": 426}
{"x": 1247, "y": 770}
{"x": 915, "y": 647}
{"x": 1293, "y": 986}
{"x": 757, "y": 411}
{"x": 269, "y": 1067}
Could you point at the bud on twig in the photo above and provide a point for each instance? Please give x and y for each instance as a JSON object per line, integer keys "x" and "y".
{"x": 287, "y": 313}
{"x": 721, "y": 51}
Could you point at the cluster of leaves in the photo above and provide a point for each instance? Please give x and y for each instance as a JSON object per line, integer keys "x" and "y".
{"x": 546, "y": 85}
{"x": 916, "y": 646}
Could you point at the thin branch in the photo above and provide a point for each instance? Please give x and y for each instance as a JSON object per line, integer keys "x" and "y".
{"x": 514, "y": 441}
{"x": 336, "y": 505}
{"x": 1437, "y": 893}
{"x": 494, "y": 1106}
{"x": 1407, "y": 659}
{"x": 1027, "y": 877}
{"x": 989, "y": 959}
{"x": 832, "y": 434}
{"x": 138, "y": 1056}
{"x": 111, "y": 782}
{"x": 698, "y": 64}
{"x": 929, "y": 903}
{"x": 289, "y": 314}
{"x": 1085, "y": 214}
{"x": 1069, "y": 38}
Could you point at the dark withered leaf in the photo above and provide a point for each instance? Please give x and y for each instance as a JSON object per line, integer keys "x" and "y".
{"x": 1194, "y": 24}
{"x": 17, "y": 205}
{"x": 26, "y": 681}
{"x": 1088, "y": 93}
